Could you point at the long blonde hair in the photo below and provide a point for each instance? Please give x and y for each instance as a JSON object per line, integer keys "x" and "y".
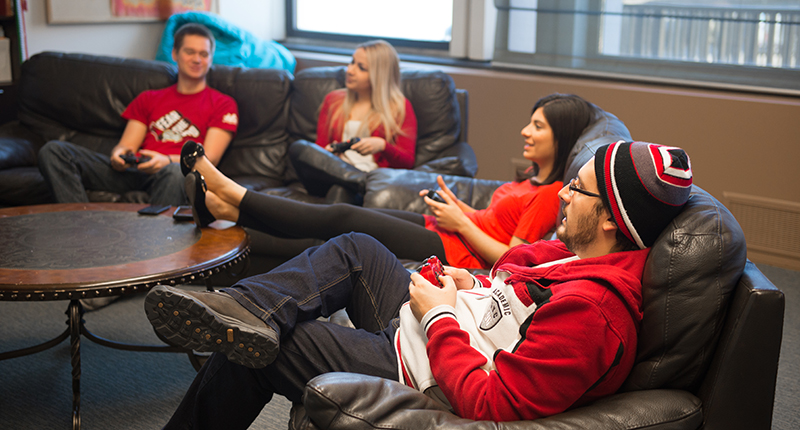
{"x": 388, "y": 104}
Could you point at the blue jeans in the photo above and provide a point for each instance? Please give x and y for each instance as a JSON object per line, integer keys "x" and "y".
{"x": 71, "y": 169}
{"x": 352, "y": 271}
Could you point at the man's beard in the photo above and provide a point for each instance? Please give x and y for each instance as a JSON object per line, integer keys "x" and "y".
{"x": 584, "y": 232}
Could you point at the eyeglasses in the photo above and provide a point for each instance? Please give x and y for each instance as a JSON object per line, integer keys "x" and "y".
{"x": 574, "y": 188}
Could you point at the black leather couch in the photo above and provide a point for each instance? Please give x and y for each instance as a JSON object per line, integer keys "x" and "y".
{"x": 79, "y": 98}
{"x": 708, "y": 347}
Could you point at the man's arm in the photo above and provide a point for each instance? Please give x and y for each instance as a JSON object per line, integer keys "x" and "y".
{"x": 567, "y": 348}
{"x": 131, "y": 141}
{"x": 217, "y": 141}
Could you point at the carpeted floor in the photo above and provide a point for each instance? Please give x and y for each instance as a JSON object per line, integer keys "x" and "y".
{"x": 119, "y": 389}
{"x": 140, "y": 390}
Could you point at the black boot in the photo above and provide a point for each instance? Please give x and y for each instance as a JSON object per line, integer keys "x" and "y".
{"x": 318, "y": 169}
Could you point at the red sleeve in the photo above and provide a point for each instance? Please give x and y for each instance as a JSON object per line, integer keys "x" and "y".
{"x": 568, "y": 348}
{"x": 322, "y": 123}
{"x": 401, "y": 154}
{"x": 225, "y": 115}
{"x": 139, "y": 108}
{"x": 541, "y": 214}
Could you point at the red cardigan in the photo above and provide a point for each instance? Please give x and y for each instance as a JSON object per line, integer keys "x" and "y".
{"x": 400, "y": 154}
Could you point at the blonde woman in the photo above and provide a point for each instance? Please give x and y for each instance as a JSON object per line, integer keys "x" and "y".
{"x": 373, "y": 110}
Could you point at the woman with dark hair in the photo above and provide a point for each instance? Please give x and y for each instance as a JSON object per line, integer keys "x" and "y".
{"x": 519, "y": 212}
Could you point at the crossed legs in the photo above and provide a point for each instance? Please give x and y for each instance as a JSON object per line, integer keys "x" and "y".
{"x": 403, "y": 232}
{"x": 353, "y": 271}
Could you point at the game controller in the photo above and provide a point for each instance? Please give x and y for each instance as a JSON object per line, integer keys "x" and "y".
{"x": 344, "y": 146}
{"x": 133, "y": 159}
{"x": 433, "y": 195}
{"x": 431, "y": 269}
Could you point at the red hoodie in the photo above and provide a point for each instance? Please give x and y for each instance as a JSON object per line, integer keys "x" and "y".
{"x": 577, "y": 345}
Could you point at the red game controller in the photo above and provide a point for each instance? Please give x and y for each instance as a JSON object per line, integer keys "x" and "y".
{"x": 431, "y": 270}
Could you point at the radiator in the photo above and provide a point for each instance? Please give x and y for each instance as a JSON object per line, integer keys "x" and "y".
{"x": 771, "y": 228}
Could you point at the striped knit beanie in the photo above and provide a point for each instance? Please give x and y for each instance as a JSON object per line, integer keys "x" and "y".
{"x": 645, "y": 186}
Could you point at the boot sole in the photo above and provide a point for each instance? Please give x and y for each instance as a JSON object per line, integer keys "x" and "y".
{"x": 185, "y": 322}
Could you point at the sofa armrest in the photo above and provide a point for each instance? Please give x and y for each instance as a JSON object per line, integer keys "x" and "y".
{"x": 739, "y": 388}
{"x": 458, "y": 160}
{"x": 399, "y": 189}
{"x": 350, "y": 401}
{"x": 18, "y": 147}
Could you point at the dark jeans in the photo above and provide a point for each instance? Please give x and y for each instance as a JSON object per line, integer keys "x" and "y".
{"x": 352, "y": 271}
{"x": 71, "y": 169}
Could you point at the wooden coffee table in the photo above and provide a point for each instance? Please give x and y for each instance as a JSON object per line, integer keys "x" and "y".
{"x": 76, "y": 251}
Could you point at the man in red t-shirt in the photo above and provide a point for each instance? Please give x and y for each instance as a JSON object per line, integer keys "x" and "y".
{"x": 159, "y": 123}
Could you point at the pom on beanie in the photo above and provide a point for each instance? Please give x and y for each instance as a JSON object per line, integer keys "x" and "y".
{"x": 645, "y": 186}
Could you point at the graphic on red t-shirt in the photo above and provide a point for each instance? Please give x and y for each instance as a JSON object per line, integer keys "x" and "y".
{"x": 173, "y": 127}
{"x": 173, "y": 118}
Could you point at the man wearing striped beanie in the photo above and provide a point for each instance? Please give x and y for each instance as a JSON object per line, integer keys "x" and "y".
{"x": 641, "y": 187}
{"x": 554, "y": 326}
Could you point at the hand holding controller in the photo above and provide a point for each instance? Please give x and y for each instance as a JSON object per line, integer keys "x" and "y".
{"x": 340, "y": 147}
{"x": 433, "y": 195}
{"x": 133, "y": 159}
{"x": 431, "y": 269}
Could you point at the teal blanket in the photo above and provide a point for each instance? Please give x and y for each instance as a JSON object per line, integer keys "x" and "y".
{"x": 235, "y": 46}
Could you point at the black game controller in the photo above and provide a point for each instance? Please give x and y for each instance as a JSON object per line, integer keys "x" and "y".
{"x": 344, "y": 146}
{"x": 431, "y": 269}
{"x": 433, "y": 195}
{"x": 133, "y": 159}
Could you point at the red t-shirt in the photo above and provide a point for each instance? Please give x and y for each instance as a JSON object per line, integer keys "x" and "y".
{"x": 519, "y": 209}
{"x": 173, "y": 118}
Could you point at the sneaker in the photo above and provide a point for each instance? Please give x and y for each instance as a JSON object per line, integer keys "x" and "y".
{"x": 211, "y": 322}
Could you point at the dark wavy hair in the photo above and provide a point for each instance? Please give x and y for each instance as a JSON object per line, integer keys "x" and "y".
{"x": 195, "y": 30}
{"x": 568, "y": 115}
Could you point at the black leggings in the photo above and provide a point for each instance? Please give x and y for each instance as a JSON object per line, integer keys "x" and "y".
{"x": 403, "y": 232}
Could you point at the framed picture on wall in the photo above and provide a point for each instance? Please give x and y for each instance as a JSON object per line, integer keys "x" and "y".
{"x": 97, "y": 11}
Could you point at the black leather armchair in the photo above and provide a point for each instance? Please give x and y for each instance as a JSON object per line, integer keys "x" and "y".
{"x": 438, "y": 105}
{"x": 707, "y": 356}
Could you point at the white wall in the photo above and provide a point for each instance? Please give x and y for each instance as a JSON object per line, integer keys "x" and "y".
{"x": 264, "y": 18}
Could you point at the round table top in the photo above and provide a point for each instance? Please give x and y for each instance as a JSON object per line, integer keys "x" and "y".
{"x": 82, "y": 250}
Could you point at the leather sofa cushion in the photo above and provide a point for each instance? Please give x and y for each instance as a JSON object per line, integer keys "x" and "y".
{"x": 259, "y": 147}
{"x": 349, "y": 401}
{"x": 433, "y": 96}
{"x": 65, "y": 95}
{"x": 23, "y": 186}
{"x": 689, "y": 277}
{"x": 605, "y": 128}
{"x": 399, "y": 189}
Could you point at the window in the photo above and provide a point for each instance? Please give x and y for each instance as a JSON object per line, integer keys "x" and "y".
{"x": 725, "y": 43}
{"x": 399, "y": 22}
{"x": 752, "y": 45}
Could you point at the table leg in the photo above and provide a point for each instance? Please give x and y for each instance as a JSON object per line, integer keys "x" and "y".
{"x": 75, "y": 312}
